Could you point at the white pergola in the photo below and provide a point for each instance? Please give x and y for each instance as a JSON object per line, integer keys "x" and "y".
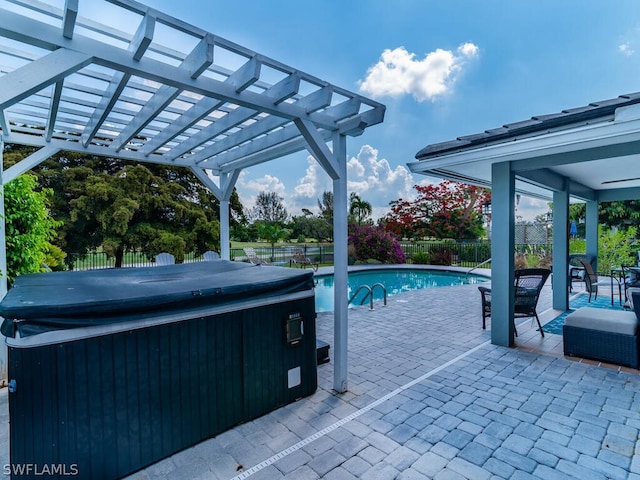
{"x": 590, "y": 154}
{"x": 141, "y": 85}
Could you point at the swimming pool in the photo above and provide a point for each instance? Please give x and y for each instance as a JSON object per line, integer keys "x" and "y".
{"x": 394, "y": 280}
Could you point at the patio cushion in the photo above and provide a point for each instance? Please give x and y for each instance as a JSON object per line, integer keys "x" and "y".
{"x": 630, "y": 292}
{"x": 615, "y": 321}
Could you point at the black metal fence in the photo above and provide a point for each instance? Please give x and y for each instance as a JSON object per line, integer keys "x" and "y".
{"x": 95, "y": 260}
{"x": 447, "y": 253}
{"x": 280, "y": 255}
{"x": 463, "y": 254}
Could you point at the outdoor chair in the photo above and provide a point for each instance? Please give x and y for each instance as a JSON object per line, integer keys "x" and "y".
{"x": 576, "y": 269}
{"x": 630, "y": 276}
{"x": 299, "y": 259}
{"x": 592, "y": 282}
{"x": 252, "y": 256}
{"x": 210, "y": 256}
{"x": 528, "y": 285}
{"x": 165, "y": 259}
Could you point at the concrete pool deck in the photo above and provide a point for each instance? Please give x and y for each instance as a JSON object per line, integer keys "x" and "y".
{"x": 430, "y": 397}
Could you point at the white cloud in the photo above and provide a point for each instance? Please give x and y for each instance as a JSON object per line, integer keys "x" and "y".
{"x": 372, "y": 178}
{"x": 311, "y": 186}
{"x": 248, "y": 188}
{"x": 399, "y": 72}
{"x": 626, "y": 49}
{"x": 529, "y": 208}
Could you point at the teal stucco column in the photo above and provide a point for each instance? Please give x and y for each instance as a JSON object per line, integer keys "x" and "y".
{"x": 560, "y": 297}
{"x": 502, "y": 254}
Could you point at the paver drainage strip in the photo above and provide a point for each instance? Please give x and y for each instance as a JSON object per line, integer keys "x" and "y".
{"x": 302, "y": 443}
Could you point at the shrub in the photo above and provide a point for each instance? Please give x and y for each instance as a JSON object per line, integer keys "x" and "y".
{"x": 29, "y": 227}
{"x": 374, "y": 242}
{"x": 520, "y": 262}
{"x": 420, "y": 258}
{"x": 441, "y": 256}
{"x": 614, "y": 248}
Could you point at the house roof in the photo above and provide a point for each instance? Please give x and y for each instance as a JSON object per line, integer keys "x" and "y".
{"x": 594, "y": 147}
{"x": 595, "y": 111}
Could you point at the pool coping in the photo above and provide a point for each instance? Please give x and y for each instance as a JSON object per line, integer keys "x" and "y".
{"x": 482, "y": 272}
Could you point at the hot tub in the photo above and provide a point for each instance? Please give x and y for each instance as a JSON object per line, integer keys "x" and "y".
{"x": 112, "y": 370}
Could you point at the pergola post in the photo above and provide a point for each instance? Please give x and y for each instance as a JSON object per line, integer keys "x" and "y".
{"x": 3, "y": 262}
{"x": 209, "y": 106}
{"x": 223, "y": 194}
{"x": 340, "y": 281}
{"x": 227, "y": 182}
{"x": 560, "y": 297}
{"x": 502, "y": 254}
{"x": 225, "y": 248}
{"x": 3, "y": 231}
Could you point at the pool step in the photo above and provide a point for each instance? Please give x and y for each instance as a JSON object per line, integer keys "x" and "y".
{"x": 322, "y": 352}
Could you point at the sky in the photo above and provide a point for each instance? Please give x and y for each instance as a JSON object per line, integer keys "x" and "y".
{"x": 443, "y": 68}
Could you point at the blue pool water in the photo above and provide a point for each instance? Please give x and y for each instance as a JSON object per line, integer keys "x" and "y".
{"x": 395, "y": 281}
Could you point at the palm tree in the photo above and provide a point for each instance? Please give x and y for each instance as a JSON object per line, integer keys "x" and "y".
{"x": 359, "y": 209}
{"x": 272, "y": 233}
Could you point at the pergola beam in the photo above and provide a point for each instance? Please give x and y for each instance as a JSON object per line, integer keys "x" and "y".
{"x": 33, "y": 77}
{"x": 69, "y": 18}
{"x": 242, "y": 79}
{"x": 312, "y": 102}
{"x": 267, "y": 154}
{"x": 138, "y": 46}
{"x": 195, "y": 64}
{"x": 14, "y": 25}
{"x": 28, "y": 163}
{"x": 53, "y": 109}
{"x": 318, "y": 148}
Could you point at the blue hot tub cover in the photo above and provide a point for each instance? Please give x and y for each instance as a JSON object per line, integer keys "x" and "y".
{"x": 60, "y": 300}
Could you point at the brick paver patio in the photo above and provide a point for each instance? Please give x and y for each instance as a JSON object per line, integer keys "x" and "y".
{"x": 430, "y": 397}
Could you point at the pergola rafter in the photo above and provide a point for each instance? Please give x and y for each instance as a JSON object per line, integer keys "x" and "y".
{"x": 148, "y": 87}
{"x": 238, "y": 106}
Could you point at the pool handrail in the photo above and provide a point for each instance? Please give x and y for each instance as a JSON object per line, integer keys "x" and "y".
{"x": 477, "y": 266}
{"x": 369, "y": 294}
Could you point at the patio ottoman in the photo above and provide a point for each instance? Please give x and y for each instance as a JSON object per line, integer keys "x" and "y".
{"x": 601, "y": 334}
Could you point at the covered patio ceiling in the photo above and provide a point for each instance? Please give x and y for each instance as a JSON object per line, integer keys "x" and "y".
{"x": 596, "y": 147}
{"x": 140, "y": 85}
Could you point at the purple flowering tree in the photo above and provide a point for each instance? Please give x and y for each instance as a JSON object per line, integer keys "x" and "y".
{"x": 374, "y": 242}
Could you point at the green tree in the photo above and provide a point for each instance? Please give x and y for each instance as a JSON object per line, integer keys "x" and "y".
{"x": 120, "y": 206}
{"x": 326, "y": 207}
{"x": 269, "y": 208}
{"x": 29, "y": 227}
{"x": 619, "y": 214}
{"x": 359, "y": 209}
{"x": 311, "y": 226}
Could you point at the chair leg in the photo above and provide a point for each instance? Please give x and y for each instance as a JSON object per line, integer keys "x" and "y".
{"x": 539, "y": 326}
